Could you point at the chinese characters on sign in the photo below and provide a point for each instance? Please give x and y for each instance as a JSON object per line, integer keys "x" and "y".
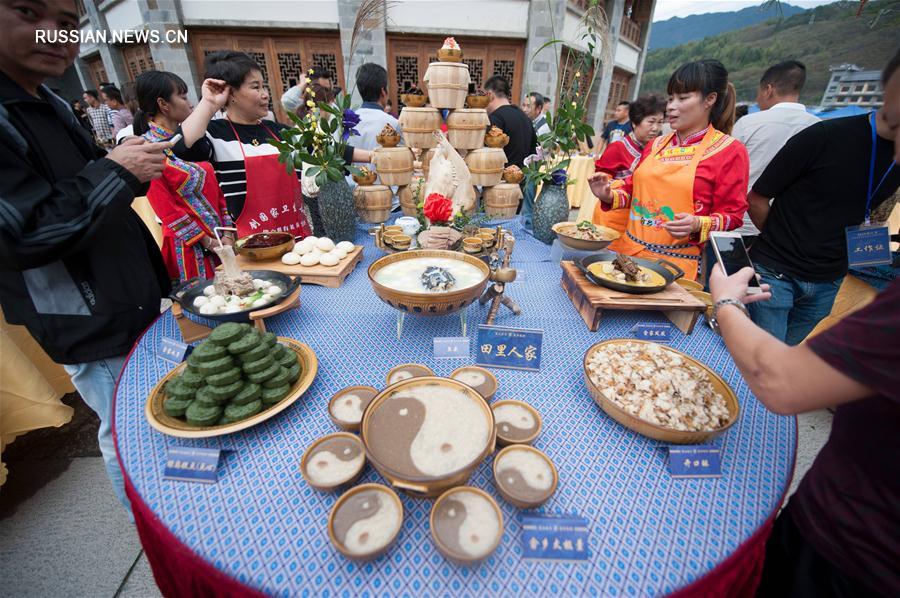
{"x": 661, "y": 333}
{"x": 189, "y": 464}
{"x": 451, "y": 347}
{"x": 700, "y": 461}
{"x": 868, "y": 246}
{"x": 562, "y": 537}
{"x": 516, "y": 348}
{"x": 263, "y": 217}
{"x": 172, "y": 350}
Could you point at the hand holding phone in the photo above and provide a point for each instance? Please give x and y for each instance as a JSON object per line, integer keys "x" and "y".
{"x": 732, "y": 256}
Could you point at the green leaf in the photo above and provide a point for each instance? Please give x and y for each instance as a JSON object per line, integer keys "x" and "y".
{"x": 353, "y": 169}
{"x": 334, "y": 173}
{"x": 547, "y": 45}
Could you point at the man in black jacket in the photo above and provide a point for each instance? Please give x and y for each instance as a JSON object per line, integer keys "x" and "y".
{"x": 77, "y": 266}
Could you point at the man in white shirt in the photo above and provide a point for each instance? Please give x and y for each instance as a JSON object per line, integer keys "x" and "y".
{"x": 780, "y": 117}
{"x": 372, "y": 82}
{"x": 533, "y": 106}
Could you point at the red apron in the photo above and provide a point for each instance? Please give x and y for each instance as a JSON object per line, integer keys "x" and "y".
{"x": 274, "y": 201}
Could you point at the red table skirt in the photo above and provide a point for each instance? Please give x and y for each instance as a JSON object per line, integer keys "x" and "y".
{"x": 178, "y": 571}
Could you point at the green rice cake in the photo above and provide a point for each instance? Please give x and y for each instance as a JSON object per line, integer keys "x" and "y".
{"x": 248, "y": 394}
{"x": 227, "y": 333}
{"x": 280, "y": 379}
{"x": 270, "y": 396}
{"x": 225, "y": 378}
{"x": 245, "y": 343}
{"x": 260, "y": 377}
{"x": 294, "y": 373}
{"x": 240, "y": 412}
{"x": 206, "y": 352}
{"x": 201, "y": 415}
{"x": 209, "y": 368}
{"x": 207, "y": 398}
{"x": 176, "y": 407}
{"x": 223, "y": 393}
{"x": 279, "y": 351}
{"x": 270, "y": 339}
{"x": 255, "y": 354}
{"x": 288, "y": 359}
{"x": 251, "y": 367}
{"x": 180, "y": 391}
{"x": 191, "y": 380}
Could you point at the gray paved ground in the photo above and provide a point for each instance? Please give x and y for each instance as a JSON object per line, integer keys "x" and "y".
{"x": 64, "y": 533}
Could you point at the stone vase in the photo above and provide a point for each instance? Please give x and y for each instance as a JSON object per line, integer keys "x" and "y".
{"x": 337, "y": 212}
{"x": 550, "y": 207}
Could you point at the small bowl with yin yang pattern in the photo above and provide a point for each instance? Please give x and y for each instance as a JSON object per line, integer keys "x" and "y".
{"x": 466, "y": 525}
{"x": 517, "y": 422}
{"x": 333, "y": 461}
{"x": 524, "y": 476}
{"x": 405, "y": 371}
{"x": 365, "y": 521}
{"x": 482, "y": 380}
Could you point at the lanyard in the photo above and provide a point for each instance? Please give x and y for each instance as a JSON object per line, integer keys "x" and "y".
{"x": 872, "y": 169}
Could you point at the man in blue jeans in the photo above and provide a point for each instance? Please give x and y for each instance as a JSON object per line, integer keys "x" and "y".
{"x": 77, "y": 266}
{"x": 821, "y": 184}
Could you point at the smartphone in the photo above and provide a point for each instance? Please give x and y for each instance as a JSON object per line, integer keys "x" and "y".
{"x": 175, "y": 139}
{"x": 733, "y": 256}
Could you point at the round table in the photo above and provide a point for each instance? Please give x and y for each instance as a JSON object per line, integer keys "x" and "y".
{"x": 262, "y": 529}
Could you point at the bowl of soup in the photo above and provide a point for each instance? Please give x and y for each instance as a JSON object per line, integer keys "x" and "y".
{"x": 427, "y": 434}
{"x": 429, "y": 282}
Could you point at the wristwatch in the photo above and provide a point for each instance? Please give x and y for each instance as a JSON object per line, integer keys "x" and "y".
{"x": 713, "y": 320}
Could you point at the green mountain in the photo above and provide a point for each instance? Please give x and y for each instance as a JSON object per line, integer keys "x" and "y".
{"x": 827, "y": 35}
{"x": 681, "y": 30}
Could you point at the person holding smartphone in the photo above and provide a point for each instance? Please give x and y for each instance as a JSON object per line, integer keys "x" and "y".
{"x": 688, "y": 183}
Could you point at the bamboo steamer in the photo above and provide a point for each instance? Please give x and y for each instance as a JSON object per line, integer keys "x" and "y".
{"x": 486, "y": 165}
{"x": 394, "y": 165}
{"x": 466, "y": 128}
{"x": 418, "y": 126}
{"x": 448, "y": 84}
{"x": 373, "y": 202}
{"x": 410, "y": 195}
{"x": 502, "y": 201}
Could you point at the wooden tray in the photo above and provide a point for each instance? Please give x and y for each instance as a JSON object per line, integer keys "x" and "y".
{"x": 590, "y": 300}
{"x": 173, "y": 426}
{"x": 326, "y": 276}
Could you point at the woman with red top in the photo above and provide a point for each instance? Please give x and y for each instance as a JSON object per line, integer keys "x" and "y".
{"x": 187, "y": 197}
{"x": 688, "y": 183}
{"x": 621, "y": 157}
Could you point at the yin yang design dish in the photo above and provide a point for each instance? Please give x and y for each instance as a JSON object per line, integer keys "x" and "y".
{"x": 517, "y": 422}
{"x": 427, "y": 434}
{"x": 466, "y": 525}
{"x": 524, "y": 476}
{"x": 333, "y": 461}
{"x": 406, "y": 371}
{"x": 483, "y": 381}
{"x": 365, "y": 521}
{"x": 347, "y": 405}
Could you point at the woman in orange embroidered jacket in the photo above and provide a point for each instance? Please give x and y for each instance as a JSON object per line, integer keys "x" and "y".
{"x": 688, "y": 183}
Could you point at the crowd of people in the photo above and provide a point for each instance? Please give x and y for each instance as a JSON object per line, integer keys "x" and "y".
{"x": 84, "y": 275}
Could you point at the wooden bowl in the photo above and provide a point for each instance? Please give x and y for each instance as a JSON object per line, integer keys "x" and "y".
{"x": 259, "y": 254}
{"x": 496, "y": 141}
{"x": 486, "y": 389}
{"x": 304, "y": 461}
{"x": 513, "y": 177}
{"x": 565, "y": 233}
{"x": 414, "y": 100}
{"x": 655, "y": 431}
{"x": 388, "y": 140}
{"x": 417, "y": 370}
{"x": 504, "y": 440}
{"x": 365, "y": 180}
{"x": 516, "y": 501}
{"x": 401, "y": 242}
{"x": 449, "y": 553}
{"x": 427, "y": 486}
{"x": 389, "y": 495}
{"x": 449, "y": 55}
{"x": 473, "y": 244}
{"x": 347, "y": 426}
{"x": 429, "y": 304}
{"x": 474, "y": 101}
{"x": 173, "y": 426}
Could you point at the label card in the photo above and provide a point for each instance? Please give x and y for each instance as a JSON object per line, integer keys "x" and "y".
{"x": 514, "y": 348}
{"x": 868, "y": 246}
{"x": 172, "y": 350}
{"x": 190, "y": 464}
{"x": 697, "y": 461}
{"x": 661, "y": 333}
{"x": 558, "y": 537}
{"x": 451, "y": 347}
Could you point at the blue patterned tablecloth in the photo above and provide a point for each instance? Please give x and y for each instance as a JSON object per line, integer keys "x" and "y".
{"x": 649, "y": 534}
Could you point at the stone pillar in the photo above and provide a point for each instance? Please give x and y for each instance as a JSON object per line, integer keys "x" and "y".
{"x": 371, "y": 48}
{"x": 614, "y": 11}
{"x": 164, "y": 17}
{"x": 112, "y": 58}
{"x": 545, "y": 22}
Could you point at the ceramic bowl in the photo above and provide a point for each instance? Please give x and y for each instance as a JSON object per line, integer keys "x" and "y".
{"x": 259, "y": 254}
{"x": 356, "y": 498}
{"x": 364, "y": 394}
{"x": 512, "y": 428}
{"x": 479, "y": 378}
{"x": 314, "y": 461}
{"x": 449, "y": 55}
{"x": 476, "y": 101}
{"x": 514, "y": 488}
{"x": 414, "y": 100}
{"x": 448, "y": 523}
{"x": 405, "y": 371}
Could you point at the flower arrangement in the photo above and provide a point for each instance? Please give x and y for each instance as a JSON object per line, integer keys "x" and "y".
{"x": 438, "y": 209}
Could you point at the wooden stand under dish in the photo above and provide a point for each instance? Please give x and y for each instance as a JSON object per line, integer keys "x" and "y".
{"x": 676, "y": 303}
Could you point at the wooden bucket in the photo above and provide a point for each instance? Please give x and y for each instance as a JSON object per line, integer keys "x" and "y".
{"x": 448, "y": 84}
{"x": 466, "y": 128}
{"x": 502, "y": 201}
{"x": 409, "y": 198}
{"x": 426, "y": 161}
{"x": 373, "y": 202}
{"x": 418, "y": 126}
{"x": 486, "y": 165}
{"x": 394, "y": 165}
